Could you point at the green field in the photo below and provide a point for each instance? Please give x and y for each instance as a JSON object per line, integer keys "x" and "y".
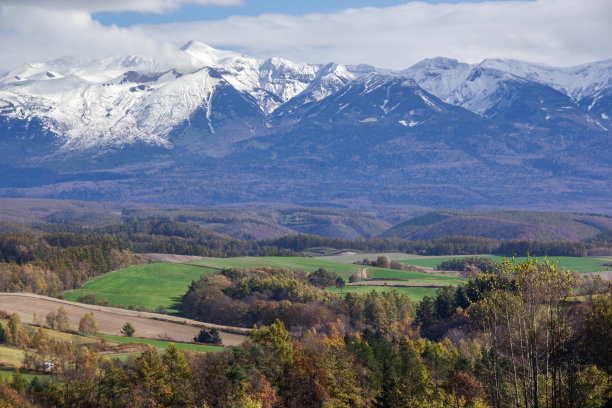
{"x": 413, "y": 293}
{"x": 310, "y": 264}
{"x": 7, "y": 374}
{"x": 121, "y": 356}
{"x": 151, "y": 285}
{"x": 160, "y": 344}
{"x": 581, "y": 265}
{"x": 351, "y": 258}
{"x": 163, "y": 284}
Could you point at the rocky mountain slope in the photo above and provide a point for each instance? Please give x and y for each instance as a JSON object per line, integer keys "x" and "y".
{"x": 225, "y": 127}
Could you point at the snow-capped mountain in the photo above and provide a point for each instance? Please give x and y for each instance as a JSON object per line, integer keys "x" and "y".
{"x": 480, "y": 87}
{"x": 124, "y": 100}
{"x": 119, "y": 101}
{"x": 441, "y": 129}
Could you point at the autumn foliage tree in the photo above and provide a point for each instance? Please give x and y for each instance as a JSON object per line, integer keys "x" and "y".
{"x": 88, "y": 324}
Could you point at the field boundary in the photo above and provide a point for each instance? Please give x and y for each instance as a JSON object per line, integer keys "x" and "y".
{"x": 171, "y": 258}
{"x": 134, "y": 313}
{"x": 397, "y": 283}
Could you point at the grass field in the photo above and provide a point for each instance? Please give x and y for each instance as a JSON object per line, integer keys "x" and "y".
{"x": 11, "y": 356}
{"x": 311, "y": 264}
{"x": 7, "y": 374}
{"x": 413, "y": 293}
{"x": 350, "y": 258}
{"x": 581, "y": 265}
{"x": 151, "y": 285}
{"x": 121, "y": 356}
{"x": 160, "y": 344}
{"x": 163, "y": 284}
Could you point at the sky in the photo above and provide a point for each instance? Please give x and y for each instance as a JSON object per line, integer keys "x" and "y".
{"x": 385, "y": 33}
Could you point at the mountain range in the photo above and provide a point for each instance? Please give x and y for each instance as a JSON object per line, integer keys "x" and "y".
{"x": 222, "y": 127}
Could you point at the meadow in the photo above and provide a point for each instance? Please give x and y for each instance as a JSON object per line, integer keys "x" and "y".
{"x": 163, "y": 284}
{"x": 343, "y": 269}
{"x": 150, "y": 285}
{"x": 199, "y": 348}
{"x": 7, "y": 374}
{"x": 11, "y": 356}
{"x": 580, "y": 265}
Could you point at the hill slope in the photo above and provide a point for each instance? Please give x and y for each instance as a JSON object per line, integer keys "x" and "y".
{"x": 503, "y": 225}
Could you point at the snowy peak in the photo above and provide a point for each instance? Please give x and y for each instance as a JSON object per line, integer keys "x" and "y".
{"x": 284, "y": 78}
{"x": 206, "y": 56}
{"x": 119, "y": 100}
{"x": 577, "y": 82}
{"x": 481, "y": 87}
{"x": 439, "y": 76}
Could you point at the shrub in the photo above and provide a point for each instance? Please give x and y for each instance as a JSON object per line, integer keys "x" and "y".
{"x": 89, "y": 298}
{"x": 208, "y": 336}
{"x": 128, "y": 329}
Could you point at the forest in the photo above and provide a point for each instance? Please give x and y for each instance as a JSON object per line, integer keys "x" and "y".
{"x": 49, "y": 258}
{"x": 516, "y": 338}
{"x": 518, "y": 334}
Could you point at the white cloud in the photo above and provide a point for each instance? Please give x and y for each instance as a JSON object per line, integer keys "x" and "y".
{"x": 557, "y": 32}
{"x": 33, "y": 35}
{"x": 151, "y": 6}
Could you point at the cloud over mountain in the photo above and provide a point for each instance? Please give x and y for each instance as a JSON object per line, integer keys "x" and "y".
{"x": 555, "y": 32}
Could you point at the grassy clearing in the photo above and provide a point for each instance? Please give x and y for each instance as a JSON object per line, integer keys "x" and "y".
{"x": 581, "y": 265}
{"x": 163, "y": 284}
{"x": 394, "y": 256}
{"x": 151, "y": 285}
{"x": 379, "y": 273}
{"x": 160, "y": 344}
{"x": 7, "y": 374}
{"x": 11, "y": 356}
{"x": 413, "y": 293}
{"x": 121, "y": 356}
{"x": 311, "y": 264}
{"x": 294, "y": 263}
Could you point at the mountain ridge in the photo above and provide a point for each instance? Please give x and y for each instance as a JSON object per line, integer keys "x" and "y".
{"x": 441, "y": 133}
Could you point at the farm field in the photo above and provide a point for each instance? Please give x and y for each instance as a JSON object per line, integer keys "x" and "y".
{"x": 7, "y": 374}
{"x": 110, "y": 320}
{"x": 150, "y": 285}
{"x": 343, "y": 269}
{"x": 11, "y": 356}
{"x": 200, "y": 348}
{"x": 121, "y": 356}
{"x": 394, "y": 256}
{"x": 581, "y": 265}
{"x": 163, "y": 284}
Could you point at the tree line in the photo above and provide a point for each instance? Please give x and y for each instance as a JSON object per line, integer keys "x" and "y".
{"x": 518, "y": 338}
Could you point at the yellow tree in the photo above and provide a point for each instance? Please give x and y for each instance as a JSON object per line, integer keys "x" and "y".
{"x": 88, "y": 324}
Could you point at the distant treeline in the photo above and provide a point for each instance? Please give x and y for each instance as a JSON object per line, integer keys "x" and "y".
{"x": 49, "y": 258}
{"x": 453, "y": 245}
{"x": 32, "y": 264}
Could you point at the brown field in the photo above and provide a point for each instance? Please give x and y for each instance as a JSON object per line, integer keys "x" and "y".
{"x": 33, "y": 309}
{"x": 604, "y": 275}
{"x": 172, "y": 258}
